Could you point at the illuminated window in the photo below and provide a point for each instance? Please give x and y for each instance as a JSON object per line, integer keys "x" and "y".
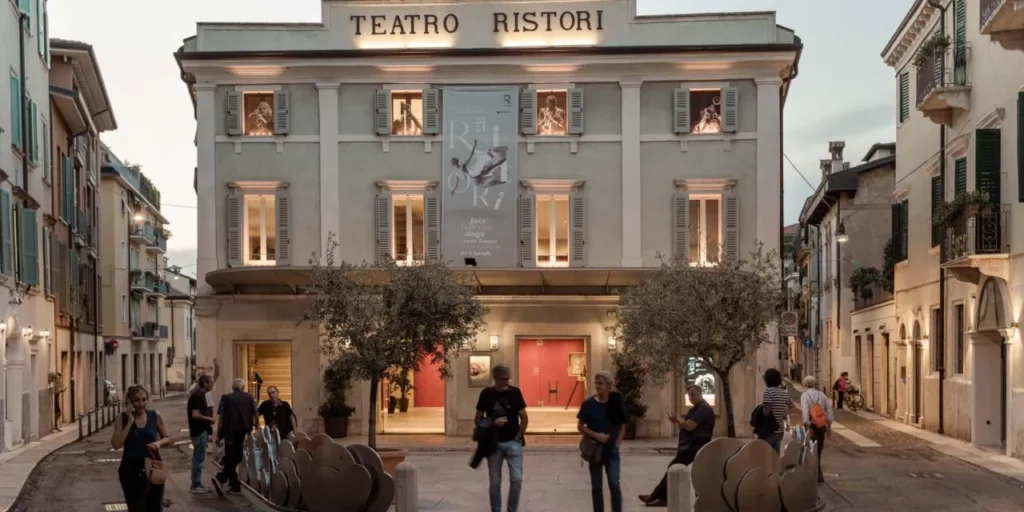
{"x": 408, "y": 233}
{"x": 705, "y": 229}
{"x": 406, "y": 112}
{"x": 699, "y": 375}
{"x": 260, "y": 227}
{"x": 552, "y": 230}
{"x": 552, "y": 112}
{"x": 705, "y": 110}
{"x": 258, "y": 114}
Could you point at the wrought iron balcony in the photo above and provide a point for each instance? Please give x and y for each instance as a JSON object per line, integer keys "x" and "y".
{"x": 150, "y": 330}
{"x": 976, "y": 232}
{"x": 157, "y": 244}
{"x": 1003, "y": 22}
{"x": 143, "y": 233}
{"x": 943, "y": 84}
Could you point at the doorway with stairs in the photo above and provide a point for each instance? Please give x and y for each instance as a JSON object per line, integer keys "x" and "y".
{"x": 264, "y": 364}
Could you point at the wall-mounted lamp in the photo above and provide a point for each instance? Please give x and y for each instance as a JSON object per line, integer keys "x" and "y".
{"x": 841, "y": 235}
{"x": 613, "y": 344}
{"x": 27, "y": 332}
{"x": 45, "y": 334}
{"x": 494, "y": 342}
{"x": 3, "y": 326}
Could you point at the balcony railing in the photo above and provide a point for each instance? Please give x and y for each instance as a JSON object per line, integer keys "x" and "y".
{"x": 143, "y": 231}
{"x": 976, "y": 232}
{"x": 150, "y": 330}
{"x": 158, "y": 243}
{"x": 945, "y": 67}
{"x": 162, "y": 332}
{"x": 996, "y": 16}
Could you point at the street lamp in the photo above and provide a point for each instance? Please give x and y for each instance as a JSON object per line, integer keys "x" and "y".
{"x": 841, "y": 235}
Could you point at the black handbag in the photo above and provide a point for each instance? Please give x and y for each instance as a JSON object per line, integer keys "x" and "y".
{"x": 591, "y": 449}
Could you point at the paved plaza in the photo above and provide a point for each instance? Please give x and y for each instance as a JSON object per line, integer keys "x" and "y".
{"x": 868, "y": 466}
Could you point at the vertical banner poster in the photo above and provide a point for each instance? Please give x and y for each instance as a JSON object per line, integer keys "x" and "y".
{"x": 480, "y": 186}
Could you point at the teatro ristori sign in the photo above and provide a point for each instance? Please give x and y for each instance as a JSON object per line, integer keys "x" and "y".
{"x": 500, "y": 23}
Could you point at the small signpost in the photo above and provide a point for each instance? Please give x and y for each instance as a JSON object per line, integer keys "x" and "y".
{"x": 789, "y": 323}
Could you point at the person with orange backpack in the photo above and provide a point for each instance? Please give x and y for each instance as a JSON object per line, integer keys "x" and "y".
{"x": 817, "y": 416}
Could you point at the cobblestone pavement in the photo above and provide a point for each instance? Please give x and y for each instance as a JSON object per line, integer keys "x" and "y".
{"x": 903, "y": 474}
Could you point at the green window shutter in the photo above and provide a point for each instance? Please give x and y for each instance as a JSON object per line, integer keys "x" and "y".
{"x": 25, "y": 6}
{"x": 29, "y": 241}
{"x": 16, "y": 117}
{"x": 33, "y": 134}
{"x": 46, "y": 40}
{"x": 960, "y": 42}
{"x": 7, "y": 251}
{"x": 987, "y": 164}
{"x": 46, "y": 149}
{"x": 905, "y": 230}
{"x": 936, "y": 201}
{"x": 1020, "y": 146}
{"x": 904, "y": 96}
{"x": 40, "y": 30}
{"x": 46, "y": 260}
{"x": 681, "y": 111}
{"x": 960, "y": 177}
{"x": 897, "y": 218}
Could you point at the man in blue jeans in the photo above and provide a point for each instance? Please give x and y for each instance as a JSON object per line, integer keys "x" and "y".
{"x": 504, "y": 404}
{"x": 200, "y": 425}
{"x": 603, "y": 417}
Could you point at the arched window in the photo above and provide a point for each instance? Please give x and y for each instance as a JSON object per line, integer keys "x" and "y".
{"x": 903, "y": 332}
{"x": 917, "y": 331}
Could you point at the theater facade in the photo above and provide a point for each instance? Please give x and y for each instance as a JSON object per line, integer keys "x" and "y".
{"x": 550, "y": 150}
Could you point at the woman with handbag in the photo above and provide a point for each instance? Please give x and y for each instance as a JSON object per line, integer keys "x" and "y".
{"x": 141, "y": 433}
{"x": 602, "y": 421}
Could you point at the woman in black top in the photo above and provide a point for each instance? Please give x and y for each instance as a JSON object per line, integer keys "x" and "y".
{"x": 140, "y": 431}
{"x": 277, "y": 414}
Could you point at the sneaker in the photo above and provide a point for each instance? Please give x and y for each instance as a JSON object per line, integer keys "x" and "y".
{"x": 199, "y": 489}
{"x": 216, "y": 487}
{"x": 234, "y": 491}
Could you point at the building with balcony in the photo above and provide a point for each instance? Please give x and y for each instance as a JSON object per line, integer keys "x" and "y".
{"x": 844, "y": 245}
{"x": 180, "y": 308}
{"x": 80, "y": 111}
{"x": 26, "y": 316}
{"x": 551, "y": 151}
{"x": 133, "y": 244}
{"x": 959, "y": 284}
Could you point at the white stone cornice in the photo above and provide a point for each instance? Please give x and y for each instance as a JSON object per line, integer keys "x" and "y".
{"x": 931, "y": 166}
{"x": 768, "y": 80}
{"x": 902, "y": 192}
{"x": 205, "y": 87}
{"x": 406, "y": 186}
{"x": 630, "y": 82}
{"x": 957, "y": 148}
{"x": 328, "y": 85}
{"x": 546, "y": 186}
{"x": 705, "y": 184}
{"x": 992, "y": 120}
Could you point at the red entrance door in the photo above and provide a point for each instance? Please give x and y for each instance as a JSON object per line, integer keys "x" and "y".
{"x": 544, "y": 369}
{"x": 429, "y": 390}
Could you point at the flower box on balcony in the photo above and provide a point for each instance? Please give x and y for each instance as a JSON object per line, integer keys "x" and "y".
{"x": 927, "y": 50}
{"x": 968, "y": 203}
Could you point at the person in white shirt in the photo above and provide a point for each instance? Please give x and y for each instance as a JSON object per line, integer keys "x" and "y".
{"x": 809, "y": 399}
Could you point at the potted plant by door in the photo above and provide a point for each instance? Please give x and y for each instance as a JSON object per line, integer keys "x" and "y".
{"x": 392, "y": 404}
{"x": 629, "y": 381}
{"x": 404, "y": 385}
{"x": 335, "y": 411}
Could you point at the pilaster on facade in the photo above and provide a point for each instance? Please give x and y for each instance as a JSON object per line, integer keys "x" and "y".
{"x": 330, "y": 176}
{"x": 207, "y": 259}
{"x": 632, "y": 197}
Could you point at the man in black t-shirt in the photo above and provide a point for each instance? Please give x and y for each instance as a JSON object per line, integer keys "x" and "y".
{"x": 505, "y": 406}
{"x": 200, "y": 425}
{"x": 277, "y": 414}
{"x": 695, "y": 431}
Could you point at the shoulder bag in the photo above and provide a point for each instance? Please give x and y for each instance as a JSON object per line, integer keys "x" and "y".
{"x": 591, "y": 449}
{"x": 156, "y": 472}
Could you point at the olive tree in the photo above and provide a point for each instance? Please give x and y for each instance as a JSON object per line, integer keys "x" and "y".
{"x": 375, "y": 317}
{"x": 720, "y": 314}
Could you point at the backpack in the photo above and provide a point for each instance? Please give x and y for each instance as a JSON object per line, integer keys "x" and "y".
{"x": 818, "y": 417}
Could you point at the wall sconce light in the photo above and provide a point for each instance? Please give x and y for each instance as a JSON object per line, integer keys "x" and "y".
{"x": 3, "y": 326}
{"x": 613, "y": 344}
{"x": 494, "y": 342}
{"x": 27, "y": 332}
{"x": 45, "y": 334}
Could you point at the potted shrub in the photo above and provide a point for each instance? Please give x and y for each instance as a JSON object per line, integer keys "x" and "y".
{"x": 968, "y": 203}
{"x": 335, "y": 411}
{"x": 404, "y": 385}
{"x": 379, "y": 316}
{"x": 392, "y": 403}
{"x": 629, "y": 382}
{"x": 936, "y": 42}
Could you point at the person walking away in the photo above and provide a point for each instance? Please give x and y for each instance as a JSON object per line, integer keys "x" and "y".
{"x": 775, "y": 401}
{"x": 277, "y": 414}
{"x": 603, "y": 417}
{"x": 504, "y": 405}
{"x": 817, "y": 416}
{"x": 238, "y": 419}
{"x": 140, "y": 432}
{"x": 839, "y": 387}
{"x": 200, "y": 427}
{"x": 695, "y": 431}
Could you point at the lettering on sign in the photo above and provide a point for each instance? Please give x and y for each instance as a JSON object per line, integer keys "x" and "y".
{"x": 503, "y": 23}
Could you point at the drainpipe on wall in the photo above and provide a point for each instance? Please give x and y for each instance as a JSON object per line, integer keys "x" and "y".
{"x": 793, "y": 72}
{"x": 940, "y": 334}
{"x": 839, "y": 279}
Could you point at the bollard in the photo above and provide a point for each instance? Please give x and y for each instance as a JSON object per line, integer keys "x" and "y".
{"x": 90, "y": 423}
{"x": 679, "y": 489}
{"x": 406, "y": 488}
{"x": 80, "y": 436}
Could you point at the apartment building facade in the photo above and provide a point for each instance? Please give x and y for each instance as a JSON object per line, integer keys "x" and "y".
{"x": 180, "y": 308}
{"x": 960, "y": 171}
{"x": 80, "y": 112}
{"x": 133, "y": 245}
{"x": 842, "y": 243}
{"x": 26, "y": 319}
{"x": 550, "y": 150}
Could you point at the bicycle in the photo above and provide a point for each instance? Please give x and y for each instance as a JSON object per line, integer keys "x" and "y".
{"x": 854, "y": 400}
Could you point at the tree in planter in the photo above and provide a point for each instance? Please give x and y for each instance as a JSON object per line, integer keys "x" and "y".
{"x": 719, "y": 315}
{"x": 629, "y": 382}
{"x": 384, "y": 315}
{"x": 335, "y": 410}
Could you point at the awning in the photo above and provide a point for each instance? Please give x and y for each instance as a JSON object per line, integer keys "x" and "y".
{"x": 513, "y": 281}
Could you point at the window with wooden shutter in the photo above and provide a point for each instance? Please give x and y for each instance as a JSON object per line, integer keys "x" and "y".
{"x": 905, "y": 230}
{"x": 528, "y": 111}
{"x": 681, "y": 225}
{"x": 40, "y": 30}
{"x": 895, "y": 231}
{"x": 382, "y": 112}
{"x": 16, "y": 117}
{"x": 432, "y": 220}
{"x": 577, "y": 230}
{"x": 1020, "y": 146}
{"x": 730, "y": 110}
{"x": 46, "y": 149}
{"x": 904, "y": 93}
{"x": 408, "y": 111}
{"x": 282, "y": 118}
{"x": 960, "y": 42}
{"x": 233, "y": 111}
{"x": 382, "y": 227}
{"x": 732, "y": 228}
{"x": 33, "y": 138}
{"x": 30, "y": 246}
{"x": 45, "y": 256}
{"x": 681, "y": 111}
{"x": 431, "y": 111}
{"x": 283, "y": 217}
{"x": 7, "y": 225}
{"x": 408, "y": 232}
{"x": 936, "y": 202}
{"x": 527, "y": 230}
{"x": 234, "y": 228}
{"x": 987, "y": 175}
{"x": 959, "y": 177}
{"x": 575, "y": 111}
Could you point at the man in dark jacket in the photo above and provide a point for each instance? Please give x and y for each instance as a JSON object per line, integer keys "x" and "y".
{"x": 237, "y": 419}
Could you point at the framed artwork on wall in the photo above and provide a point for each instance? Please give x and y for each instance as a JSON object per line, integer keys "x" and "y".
{"x": 578, "y": 364}
{"x": 479, "y": 370}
